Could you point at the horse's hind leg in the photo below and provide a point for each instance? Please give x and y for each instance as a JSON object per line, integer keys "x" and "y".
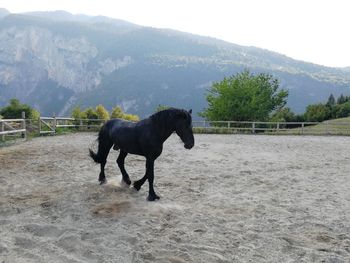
{"x": 103, "y": 151}
{"x": 120, "y": 162}
{"x": 102, "y": 176}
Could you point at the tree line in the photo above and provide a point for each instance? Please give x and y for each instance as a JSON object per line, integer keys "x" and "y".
{"x": 241, "y": 97}
{"x": 101, "y": 113}
{"x": 15, "y": 108}
{"x": 332, "y": 109}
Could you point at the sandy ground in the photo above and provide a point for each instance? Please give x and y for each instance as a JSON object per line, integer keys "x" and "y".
{"x": 232, "y": 198}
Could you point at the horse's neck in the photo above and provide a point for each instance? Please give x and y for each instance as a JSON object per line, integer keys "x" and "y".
{"x": 165, "y": 127}
{"x": 167, "y": 134}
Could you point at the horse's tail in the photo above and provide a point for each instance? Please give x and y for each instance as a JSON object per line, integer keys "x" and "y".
{"x": 104, "y": 145}
{"x": 94, "y": 156}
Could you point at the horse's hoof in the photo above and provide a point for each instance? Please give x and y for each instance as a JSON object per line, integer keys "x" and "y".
{"x": 125, "y": 184}
{"x": 153, "y": 197}
{"x": 137, "y": 186}
{"x": 128, "y": 182}
{"x": 104, "y": 181}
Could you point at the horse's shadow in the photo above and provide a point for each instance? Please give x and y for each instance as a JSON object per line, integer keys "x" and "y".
{"x": 111, "y": 209}
{"x": 110, "y": 200}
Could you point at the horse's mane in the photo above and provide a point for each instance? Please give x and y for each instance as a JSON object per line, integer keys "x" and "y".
{"x": 164, "y": 116}
{"x": 167, "y": 118}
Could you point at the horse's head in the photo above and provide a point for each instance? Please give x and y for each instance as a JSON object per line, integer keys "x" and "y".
{"x": 183, "y": 128}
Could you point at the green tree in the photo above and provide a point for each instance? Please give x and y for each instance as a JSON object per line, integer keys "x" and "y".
{"x": 77, "y": 113}
{"x": 15, "y": 108}
{"x": 331, "y": 100}
{"x": 35, "y": 115}
{"x": 244, "y": 97}
{"x": 343, "y": 110}
{"x": 91, "y": 114}
{"x": 317, "y": 112}
{"x": 343, "y": 99}
{"x": 116, "y": 113}
{"x": 102, "y": 112}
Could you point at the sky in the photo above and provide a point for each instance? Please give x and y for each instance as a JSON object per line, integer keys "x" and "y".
{"x": 315, "y": 31}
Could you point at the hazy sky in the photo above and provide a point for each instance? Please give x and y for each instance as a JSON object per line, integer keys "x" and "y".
{"x": 311, "y": 30}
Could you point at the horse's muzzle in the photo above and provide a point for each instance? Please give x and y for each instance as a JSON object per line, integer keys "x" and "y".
{"x": 189, "y": 145}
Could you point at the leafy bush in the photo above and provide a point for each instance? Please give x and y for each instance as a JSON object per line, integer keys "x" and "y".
{"x": 283, "y": 115}
{"x": 317, "y": 112}
{"x": 130, "y": 117}
{"x": 15, "y": 108}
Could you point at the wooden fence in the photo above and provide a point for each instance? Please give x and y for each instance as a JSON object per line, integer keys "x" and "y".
{"x": 52, "y": 125}
{"x": 293, "y": 128}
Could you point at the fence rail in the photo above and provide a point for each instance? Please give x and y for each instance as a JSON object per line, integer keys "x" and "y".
{"x": 12, "y": 127}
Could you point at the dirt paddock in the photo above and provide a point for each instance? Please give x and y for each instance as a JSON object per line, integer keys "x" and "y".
{"x": 232, "y": 198}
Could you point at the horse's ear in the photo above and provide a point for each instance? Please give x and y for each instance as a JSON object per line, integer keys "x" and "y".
{"x": 190, "y": 111}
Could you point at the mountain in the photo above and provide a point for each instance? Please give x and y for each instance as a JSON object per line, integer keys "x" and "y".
{"x": 3, "y": 12}
{"x": 56, "y": 60}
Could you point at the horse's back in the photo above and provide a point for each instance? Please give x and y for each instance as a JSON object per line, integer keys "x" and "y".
{"x": 124, "y": 134}
{"x": 120, "y": 123}
{"x": 117, "y": 127}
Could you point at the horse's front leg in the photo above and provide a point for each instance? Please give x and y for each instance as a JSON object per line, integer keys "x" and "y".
{"x": 138, "y": 184}
{"x": 150, "y": 176}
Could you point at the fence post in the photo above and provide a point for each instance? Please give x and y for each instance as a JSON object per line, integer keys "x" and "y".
{"x": 24, "y": 134}
{"x": 39, "y": 125}
{"x": 302, "y": 128}
{"x": 253, "y": 127}
{"x": 2, "y": 128}
{"x": 278, "y": 127}
{"x": 54, "y": 122}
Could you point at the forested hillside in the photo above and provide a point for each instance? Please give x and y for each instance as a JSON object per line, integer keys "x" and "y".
{"x": 55, "y": 61}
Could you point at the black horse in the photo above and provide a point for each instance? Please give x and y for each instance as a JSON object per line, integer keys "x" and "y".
{"x": 145, "y": 138}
